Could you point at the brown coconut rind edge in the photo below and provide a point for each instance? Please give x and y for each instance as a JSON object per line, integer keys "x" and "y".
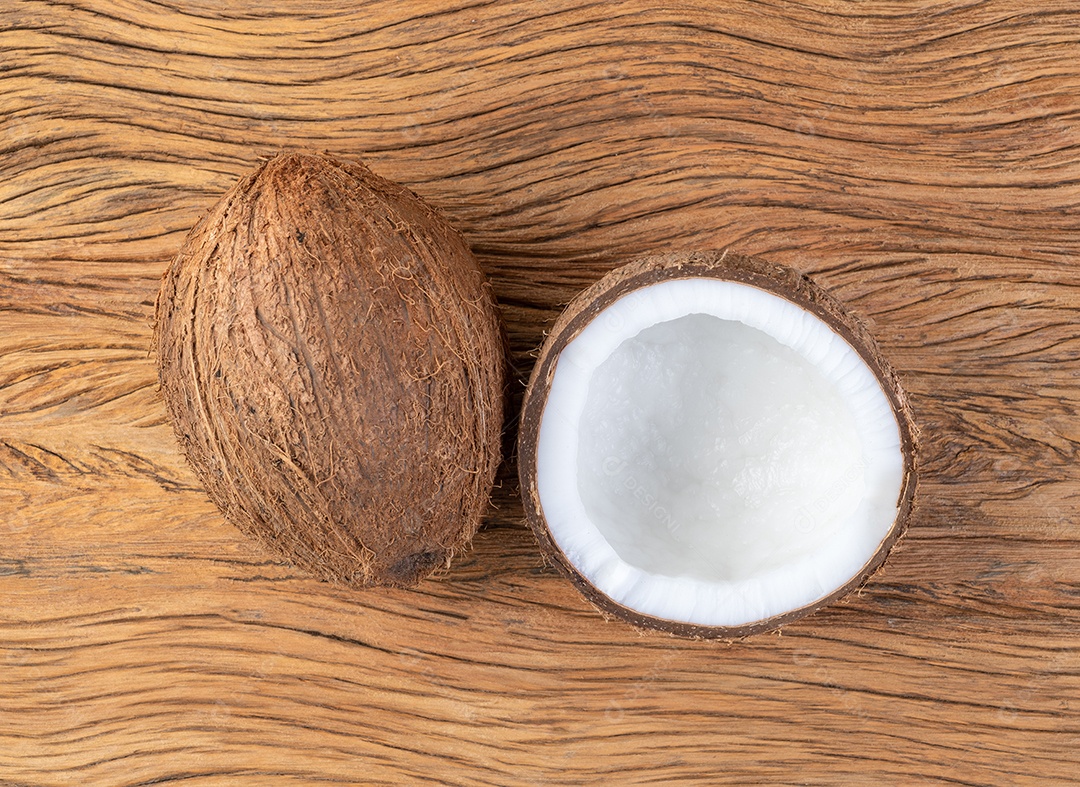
{"x": 724, "y": 265}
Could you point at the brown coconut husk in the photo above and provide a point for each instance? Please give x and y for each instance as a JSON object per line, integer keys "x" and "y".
{"x": 331, "y": 358}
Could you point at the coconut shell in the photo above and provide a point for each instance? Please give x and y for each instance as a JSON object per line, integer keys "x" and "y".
{"x": 773, "y": 278}
{"x": 331, "y": 357}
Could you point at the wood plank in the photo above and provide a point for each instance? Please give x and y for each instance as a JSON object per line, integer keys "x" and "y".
{"x": 920, "y": 160}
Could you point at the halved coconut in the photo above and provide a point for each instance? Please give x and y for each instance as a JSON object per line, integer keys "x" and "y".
{"x": 710, "y": 445}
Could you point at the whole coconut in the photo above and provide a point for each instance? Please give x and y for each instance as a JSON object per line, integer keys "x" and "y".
{"x": 332, "y": 361}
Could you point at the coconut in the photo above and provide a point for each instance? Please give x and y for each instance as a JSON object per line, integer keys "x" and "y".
{"x": 712, "y": 446}
{"x": 332, "y": 362}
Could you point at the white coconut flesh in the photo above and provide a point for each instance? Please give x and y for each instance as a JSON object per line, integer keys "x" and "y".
{"x": 713, "y": 454}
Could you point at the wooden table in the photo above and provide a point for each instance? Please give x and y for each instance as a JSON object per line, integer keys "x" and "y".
{"x": 921, "y": 163}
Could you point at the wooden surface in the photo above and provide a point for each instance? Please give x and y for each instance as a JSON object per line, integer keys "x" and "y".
{"x": 922, "y": 163}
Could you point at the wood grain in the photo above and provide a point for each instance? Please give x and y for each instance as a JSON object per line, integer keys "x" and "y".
{"x": 921, "y": 161}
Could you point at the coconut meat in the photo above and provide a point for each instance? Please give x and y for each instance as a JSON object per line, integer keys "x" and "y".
{"x": 714, "y": 454}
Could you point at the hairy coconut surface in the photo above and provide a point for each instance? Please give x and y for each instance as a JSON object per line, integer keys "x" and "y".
{"x": 670, "y": 491}
{"x": 332, "y": 361}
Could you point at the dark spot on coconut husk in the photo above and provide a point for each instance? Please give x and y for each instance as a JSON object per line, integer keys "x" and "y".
{"x": 412, "y": 568}
{"x": 338, "y": 389}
